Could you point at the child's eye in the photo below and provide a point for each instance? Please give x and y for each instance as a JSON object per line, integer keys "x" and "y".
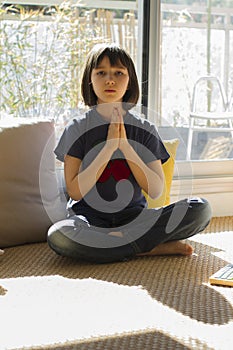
{"x": 119, "y": 73}
{"x": 101, "y": 73}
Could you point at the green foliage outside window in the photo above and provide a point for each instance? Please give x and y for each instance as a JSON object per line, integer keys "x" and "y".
{"x": 41, "y": 59}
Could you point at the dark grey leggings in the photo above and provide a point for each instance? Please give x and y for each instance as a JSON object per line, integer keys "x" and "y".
{"x": 86, "y": 236}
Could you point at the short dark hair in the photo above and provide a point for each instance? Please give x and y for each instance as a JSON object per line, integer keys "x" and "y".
{"x": 115, "y": 54}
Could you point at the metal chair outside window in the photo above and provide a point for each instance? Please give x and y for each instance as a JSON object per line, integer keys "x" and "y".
{"x": 209, "y": 109}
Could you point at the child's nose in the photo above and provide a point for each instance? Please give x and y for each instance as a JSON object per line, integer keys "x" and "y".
{"x": 110, "y": 79}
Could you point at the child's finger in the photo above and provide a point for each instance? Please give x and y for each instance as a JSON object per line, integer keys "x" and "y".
{"x": 122, "y": 125}
{"x": 114, "y": 118}
{"x": 1, "y": 251}
{"x": 120, "y": 116}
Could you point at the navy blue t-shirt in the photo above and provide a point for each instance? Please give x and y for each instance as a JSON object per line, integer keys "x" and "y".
{"x": 116, "y": 188}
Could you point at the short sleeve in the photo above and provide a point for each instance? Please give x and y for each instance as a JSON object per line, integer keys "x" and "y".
{"x": 146, "y": 140}
{"x": 154, "y": 144}
{"x": 69, "y": 141}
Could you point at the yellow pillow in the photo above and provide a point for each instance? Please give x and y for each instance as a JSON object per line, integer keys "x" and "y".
{"x": 168, "y": 169}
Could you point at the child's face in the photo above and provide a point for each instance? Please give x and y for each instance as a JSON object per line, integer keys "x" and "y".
{"x": 109, "y": 82}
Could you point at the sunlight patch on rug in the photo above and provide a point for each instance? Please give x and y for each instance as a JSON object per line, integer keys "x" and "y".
{"x": 53, "y": 309}
{"x": 222, "y": 241}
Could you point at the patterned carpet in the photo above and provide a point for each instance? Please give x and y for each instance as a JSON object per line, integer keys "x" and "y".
{"x": 166, "y": 302}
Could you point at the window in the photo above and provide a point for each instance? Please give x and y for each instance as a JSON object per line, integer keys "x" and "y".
{"x": 185, "y": 48}
{"x": 43, "y": 48}
{"x": 197, "y": 41}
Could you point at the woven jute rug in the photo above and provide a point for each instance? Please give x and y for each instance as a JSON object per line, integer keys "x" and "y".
{"x": 166, "y": 302}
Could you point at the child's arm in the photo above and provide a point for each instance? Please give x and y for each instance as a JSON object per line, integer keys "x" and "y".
{"x": 79, "y": 182}
{"x": 150, "y": 177}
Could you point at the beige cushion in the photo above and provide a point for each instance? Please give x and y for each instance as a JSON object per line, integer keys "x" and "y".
{"x": 29, "y": 195}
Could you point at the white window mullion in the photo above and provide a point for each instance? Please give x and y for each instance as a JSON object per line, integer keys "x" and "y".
{"x": 154, "y": 58}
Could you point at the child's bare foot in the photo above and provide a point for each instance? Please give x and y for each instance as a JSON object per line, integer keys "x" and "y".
{"x": 116, "y": 233}
{"x": 171, "y": 248}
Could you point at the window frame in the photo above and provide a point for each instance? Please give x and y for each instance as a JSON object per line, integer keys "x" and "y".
{"x": 212, "y": 179}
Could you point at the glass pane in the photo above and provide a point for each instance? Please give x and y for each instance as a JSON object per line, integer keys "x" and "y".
{"x": 196, "y": 42}
{"x": 43, "y": 49}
